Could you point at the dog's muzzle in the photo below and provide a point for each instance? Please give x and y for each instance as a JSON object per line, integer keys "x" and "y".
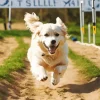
{"x": 52, "y": 48}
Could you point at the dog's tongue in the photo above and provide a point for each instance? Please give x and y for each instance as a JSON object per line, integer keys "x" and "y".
{"x": 52, "y": 49}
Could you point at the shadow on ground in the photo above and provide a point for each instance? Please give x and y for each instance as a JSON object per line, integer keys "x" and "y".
{"x": 83, "y": 88}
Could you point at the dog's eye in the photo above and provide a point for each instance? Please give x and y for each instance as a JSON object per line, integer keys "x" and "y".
{"x": 56, "y": 34}
{"x": 46, "y": 35}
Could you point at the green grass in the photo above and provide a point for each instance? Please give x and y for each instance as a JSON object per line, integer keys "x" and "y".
{"x": 16, "y": 33}
{"x": 15, "y": 61}
{"x": 88, "y": 68}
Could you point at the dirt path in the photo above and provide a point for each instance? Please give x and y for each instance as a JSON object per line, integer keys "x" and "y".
{"x": 7, "y": 45}
{"x": 72, "y": 86}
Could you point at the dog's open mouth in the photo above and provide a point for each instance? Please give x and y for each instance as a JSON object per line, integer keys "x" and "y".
{"x": 52, "y": 48}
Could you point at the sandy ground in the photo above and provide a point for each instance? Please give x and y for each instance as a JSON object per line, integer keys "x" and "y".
{"x": 73, "y": 86}
{"x": 90, "y": 52}
{"x": 7, "y": 45}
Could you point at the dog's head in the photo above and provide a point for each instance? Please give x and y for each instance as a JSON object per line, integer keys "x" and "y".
{"x": 52, "y": 36}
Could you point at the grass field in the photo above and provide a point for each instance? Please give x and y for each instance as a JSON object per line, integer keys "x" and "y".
{"x": 15, "y": 61}
{"x": 86, "y": 66}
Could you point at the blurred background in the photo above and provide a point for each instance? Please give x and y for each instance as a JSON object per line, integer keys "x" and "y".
{"x": 69, "y": 16}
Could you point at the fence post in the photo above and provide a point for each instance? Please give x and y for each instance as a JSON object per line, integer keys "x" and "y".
{"x": 89, "y": 33}
{"x": 81, "y": 20}
{"x": 9, "y": 22}
{"x": 94, "y": 20}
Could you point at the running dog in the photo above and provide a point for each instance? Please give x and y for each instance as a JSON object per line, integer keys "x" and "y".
{"x": 48, "y": 50}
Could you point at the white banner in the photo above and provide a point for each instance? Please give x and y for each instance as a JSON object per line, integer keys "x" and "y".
{"x": 88, "y": 5}
{"x": 40, "y": 3}
{"x": 4, "y": 3}
{"x": 49, "y": 4}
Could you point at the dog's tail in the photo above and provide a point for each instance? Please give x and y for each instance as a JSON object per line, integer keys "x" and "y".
{"x": 32, "y": 21}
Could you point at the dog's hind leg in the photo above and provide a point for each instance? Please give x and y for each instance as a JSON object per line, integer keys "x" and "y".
{"x": 55, "y": 78}
{"x": 61, "y": 69}
{"x": 57, "y": 74}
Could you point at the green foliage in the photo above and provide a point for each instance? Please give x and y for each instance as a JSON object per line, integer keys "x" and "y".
{"x": 73, "y": 28}
{"x": 86, "y": 66}
{"x": 1, "y": 20}
{"x": 47, "y": 15}
{"x": 1, "y": 36}
{"x": 98, "y": 19}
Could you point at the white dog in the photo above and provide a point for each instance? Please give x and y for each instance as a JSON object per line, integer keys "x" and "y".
{"x": 48, "y": 50}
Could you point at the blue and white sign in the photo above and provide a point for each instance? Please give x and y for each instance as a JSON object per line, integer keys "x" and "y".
{"x": 4, "y": 3}
{"x": 88, "y": 5}
{"x": 40, "y": 3}
{"x": 49, "y": 4}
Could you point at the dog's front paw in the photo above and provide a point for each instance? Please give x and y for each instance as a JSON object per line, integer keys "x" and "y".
{"x": 39, "y": 73}
{"x": 42, "y": 77}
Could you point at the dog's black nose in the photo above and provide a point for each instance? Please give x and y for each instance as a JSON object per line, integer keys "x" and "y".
{"x": 53, "y": 41}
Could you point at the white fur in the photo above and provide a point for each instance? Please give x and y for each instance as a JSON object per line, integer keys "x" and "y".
{"x": 43, "y": 54}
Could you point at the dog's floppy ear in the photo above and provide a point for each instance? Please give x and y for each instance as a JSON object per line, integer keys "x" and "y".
{"x": 62, "y": 25}
{"x": 32, "y": 21}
